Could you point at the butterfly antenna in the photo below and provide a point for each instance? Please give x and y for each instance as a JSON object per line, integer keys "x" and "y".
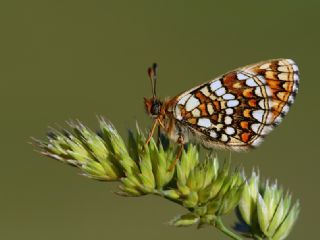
{"x": 155, "y": 78}
{"x": 152, "y": 73}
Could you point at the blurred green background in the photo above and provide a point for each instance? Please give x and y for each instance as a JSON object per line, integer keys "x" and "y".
{"x": 63, "y": 60}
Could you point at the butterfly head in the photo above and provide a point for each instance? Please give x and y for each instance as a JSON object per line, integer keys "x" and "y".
{"x": 153, "y": 105}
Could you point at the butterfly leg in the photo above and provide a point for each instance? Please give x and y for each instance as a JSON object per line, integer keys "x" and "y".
{"x": 155, "y": 124}
{"x": 158, "y": 136}
{"x": 181, "y": 144}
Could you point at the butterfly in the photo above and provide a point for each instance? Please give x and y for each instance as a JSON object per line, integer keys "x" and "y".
{"x": 235, "y": 110}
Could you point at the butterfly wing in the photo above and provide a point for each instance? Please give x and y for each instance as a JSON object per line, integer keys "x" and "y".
{"x": 238, "y": 109}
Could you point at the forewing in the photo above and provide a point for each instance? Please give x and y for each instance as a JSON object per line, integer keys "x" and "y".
{"x": 238, "y": 109}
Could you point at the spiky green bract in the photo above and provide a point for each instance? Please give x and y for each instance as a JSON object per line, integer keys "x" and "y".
{"x": 266, "y": 211}
{"x": 84, "y": 149}
{"x": 152, "y": 175}
{"x": 205, "y": 188}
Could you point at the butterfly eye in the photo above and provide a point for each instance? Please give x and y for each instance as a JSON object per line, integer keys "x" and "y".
{"x": 155, "y": 108}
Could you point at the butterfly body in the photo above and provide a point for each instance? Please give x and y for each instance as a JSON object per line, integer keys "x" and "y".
{"x": 235, "y": 110}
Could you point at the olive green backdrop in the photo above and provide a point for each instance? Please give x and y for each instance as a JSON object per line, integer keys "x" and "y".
{"x": 62, "y": 60}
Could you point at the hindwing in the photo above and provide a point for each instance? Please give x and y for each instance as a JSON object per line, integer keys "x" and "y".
{"x": 237, "y": 109}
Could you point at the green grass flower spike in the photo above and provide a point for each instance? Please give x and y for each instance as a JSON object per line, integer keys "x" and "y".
{"x": 207, "y": 189}
{"x": 265, "y": 211}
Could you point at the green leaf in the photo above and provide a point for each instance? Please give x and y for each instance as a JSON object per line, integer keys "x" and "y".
{"x": 288, "y": 223}
{"x": 185, "y": 220}
{"x": 246, "y": 205}
{"x": 191, "y": 201}
{"x": 276, "y": 219}
{"x": 262, "y": 214}
{"x": 146, "y": 175}
{"x": 173, "y": 194}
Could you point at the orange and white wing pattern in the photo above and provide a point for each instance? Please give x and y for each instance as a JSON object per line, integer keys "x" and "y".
{"x": 238, "y": 109}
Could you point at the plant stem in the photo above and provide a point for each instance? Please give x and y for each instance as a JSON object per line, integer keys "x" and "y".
{"x": 219, "y": 225}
